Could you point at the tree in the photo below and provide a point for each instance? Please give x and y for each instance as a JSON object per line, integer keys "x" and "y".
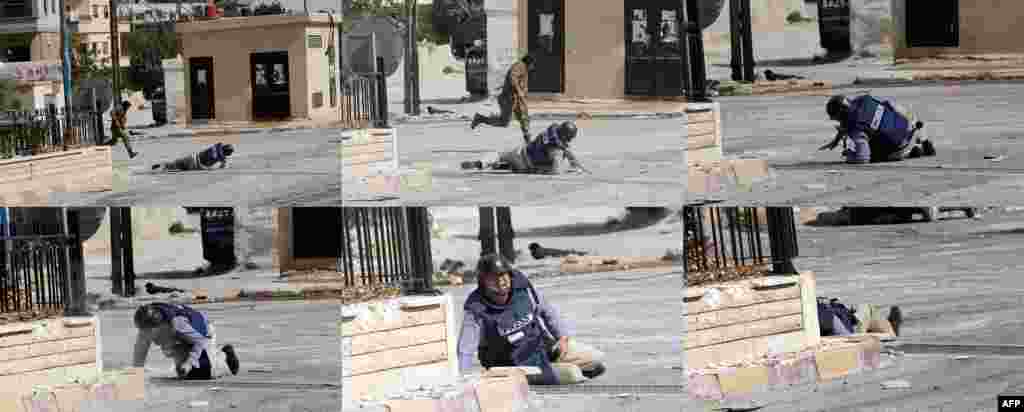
{"x": 9, "y": 96}
{"x": 274, "y": 8}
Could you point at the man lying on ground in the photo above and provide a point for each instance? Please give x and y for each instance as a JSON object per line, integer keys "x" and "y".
{"x": 214, "y": 155}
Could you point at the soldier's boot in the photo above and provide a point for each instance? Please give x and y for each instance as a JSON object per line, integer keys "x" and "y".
{"x": 477, "y": 119}
{"x": 927, "y": 148}
{"x": 474, "y": 164}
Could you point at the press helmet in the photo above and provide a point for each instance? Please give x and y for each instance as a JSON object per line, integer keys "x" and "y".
{"x": 148, "y": 317}
{"x": 836, "y": 107}
{"x": 228, "y": 149}
{"x": 567, "y": 130}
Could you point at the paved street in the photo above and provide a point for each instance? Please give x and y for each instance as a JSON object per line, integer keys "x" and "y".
{"x": 297, "y": 168}
{"x": 967, "y": 123}
{"x": 631, "y": 316}
{"x": 956, "y": 281}
{"x": 289, "y": 354}
{"x": 635, "y": 162}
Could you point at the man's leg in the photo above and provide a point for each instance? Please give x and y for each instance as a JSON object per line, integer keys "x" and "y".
{"x": 523, "y": 116}
{"x": 587, "y": 358}
{"x": 502, "y": 119}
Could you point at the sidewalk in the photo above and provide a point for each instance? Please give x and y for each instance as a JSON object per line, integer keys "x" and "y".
{"x": 239, "y": 285}
{"x": 142, "y": 121}
{"x": 550, "y": 108}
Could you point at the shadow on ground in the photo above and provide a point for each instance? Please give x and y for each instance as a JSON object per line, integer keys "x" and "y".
{"x": 633, "y": 219}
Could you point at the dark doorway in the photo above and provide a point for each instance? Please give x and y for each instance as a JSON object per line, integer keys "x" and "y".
{"x": 546, "y": 43}
{"x": 935, "y": 23}
{"x": 271, "y": 98}
{"x": 834, "y": 25}
{"x": 201, "y": 87}
{"x": 316, "y": 232}
{"x": 654, "y": 52}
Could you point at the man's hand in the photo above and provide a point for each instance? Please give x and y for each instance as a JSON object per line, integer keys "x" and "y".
{"x": 563, "y": 346}
{"x": 184, "y": 369}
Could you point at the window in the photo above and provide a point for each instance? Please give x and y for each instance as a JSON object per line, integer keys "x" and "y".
{"x": 106, "y": 48}
{"x": 95, "y": 11}
{"x": 106, "y": 12}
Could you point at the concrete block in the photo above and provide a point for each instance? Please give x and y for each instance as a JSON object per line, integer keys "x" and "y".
{"x": 48, "y": 362}
{"x": 398, "y": 338}
{"x": 739, "y": 315}
{"x": 747, "y": 379}
{"x": 737, "y": 294}
{"x": 387, "y": 315}
{"x": 742, "y": 331}
{"x": 473, "y": 394}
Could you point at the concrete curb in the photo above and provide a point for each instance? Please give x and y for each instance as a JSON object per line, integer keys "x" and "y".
{"x": 238, "y": 295}
{"x": 229, "y": 131}
{"x": 551, "y": 116}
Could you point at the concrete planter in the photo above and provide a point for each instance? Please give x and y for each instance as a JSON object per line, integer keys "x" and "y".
{"x": 703, "y": 133}
{"x": 388, "y": 345}
{"x": 749, "y": 319}
{"x": 369, "y": 160}
{"x": 31, "y": 179}
{"x": 49, "y": 352}
{"x": 119, "y": 385}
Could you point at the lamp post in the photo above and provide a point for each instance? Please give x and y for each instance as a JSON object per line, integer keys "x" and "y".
{"x": 65, "y": 47}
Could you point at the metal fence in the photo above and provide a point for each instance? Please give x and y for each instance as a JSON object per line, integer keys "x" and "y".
{"x": 24, "y": 133}
{"x": 364, "y": 101}
{"x": 375, "y": 247}
{"x": 34, "y": 273}
{"x": 720, "y": 238}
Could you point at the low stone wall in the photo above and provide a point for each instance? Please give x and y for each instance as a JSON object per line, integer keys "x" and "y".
{"x": 46, "y": 352}
{"x": 393, "y": 344}
{"x": 30, "y": 180}
{"x": 835, "y": 357}
{"x": 748, "y": 319}
{"x": 369, "y": 160}
{"x": 703, "y": 133}
{"x": 117, "y": 385}
{"x": 718, "y": 176}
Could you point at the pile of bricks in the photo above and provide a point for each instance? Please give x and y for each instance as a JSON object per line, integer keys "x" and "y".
{"x": 505, "y": 392}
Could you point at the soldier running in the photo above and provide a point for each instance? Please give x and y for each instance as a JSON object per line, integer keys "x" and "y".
{"x": 118, "y": 127}
{"x": 543, "y": 155}
{"x": 512, "y": 100}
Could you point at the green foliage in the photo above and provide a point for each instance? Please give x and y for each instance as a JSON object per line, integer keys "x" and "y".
{"x": 796, "y": 17}
{"x": 9, "y": 96}
{"x": 139, "y": 42}
{"x": 396, "y": 10}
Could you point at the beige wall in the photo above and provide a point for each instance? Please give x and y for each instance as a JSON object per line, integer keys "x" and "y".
{"x": 319, "y": 79}
{"x": 45, "y": 46}
{"x": 46, "y": 352}
{"x": 595, "y": 49}
{"x": 977, "y": 18}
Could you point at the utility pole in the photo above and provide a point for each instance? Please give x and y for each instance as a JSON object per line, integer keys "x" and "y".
{"x": 116, "y": 260}
{"x": 487, "y": 244}
{"x": 782, "y": 238}
{"x": 506, "y": 234}
{"x": 697, "y": 79}
{"x": 412, "y": 98}
{"x": 115, "y": 53}
{"x": 65, "y": 47}
{"x": 76, "y": 291}
{"x": 742, "y": 42}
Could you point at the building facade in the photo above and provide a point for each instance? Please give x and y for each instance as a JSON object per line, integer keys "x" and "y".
{"x": 954, "y": 27}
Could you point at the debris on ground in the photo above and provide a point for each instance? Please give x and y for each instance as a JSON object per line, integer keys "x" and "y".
{"x": 896, "y": 384}
{"x": 995, "y": 158}
{"x": 359, "y": 294}
{"x": 312, "y": 276}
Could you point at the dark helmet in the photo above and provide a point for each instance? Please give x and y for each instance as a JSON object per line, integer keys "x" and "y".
{"x": 837, "y": 105}
{"x": 126, "y": 104}
{"x": 567, "y": 130}
{"x": 228, "y": 149}
{"x": 148, "y": 317}
{"x": 528, "y": 59}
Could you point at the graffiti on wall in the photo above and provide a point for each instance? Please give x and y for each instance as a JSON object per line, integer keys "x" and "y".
{"x": 30, "y": 72}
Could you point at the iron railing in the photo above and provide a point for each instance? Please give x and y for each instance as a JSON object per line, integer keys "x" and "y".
{"x": 365, "y": 99}
{"x": 34, "y": 273}
{"x": 24, "y": 133}
{"x": 719, "y": 238}
{"x": 375, "y": 247}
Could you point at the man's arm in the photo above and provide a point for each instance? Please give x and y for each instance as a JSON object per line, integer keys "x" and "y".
{"x": 469, "y": 341}
{"x": 519, "y": 77}
{"x": 549, "y": 315}
{"x": 142, "y": 342}
{"x": 184, "y": 330}
{"x": 573, "y": 161}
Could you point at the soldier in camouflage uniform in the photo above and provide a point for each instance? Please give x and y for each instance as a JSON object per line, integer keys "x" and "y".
{"x": 118, "y": 128}
{"x": 512, "y": 100}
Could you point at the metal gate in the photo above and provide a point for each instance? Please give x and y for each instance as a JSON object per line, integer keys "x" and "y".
{"x": 34, "y": 274}
{"x": 933, "y": 24}
{"x": 386, "y": 246}
{"x": 727, "y": 243}
{"x": 654, "y": 48}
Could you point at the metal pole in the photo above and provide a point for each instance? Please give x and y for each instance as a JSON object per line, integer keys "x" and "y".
{"x": 735, "y": 34}
{"x": 748, "y": 43}
{"x": 407, "y": 61}
{"x": 76, "y": 267}
{"x": 415, "y": 59}
{"x": 115, "y": 53}
{"x": 116, "y": 261}
{"x": 698, "y": 70}
{"x": 782, "y": 238}
{"x": 129, "y": 259}
{"x": 487, "y": 244}
{"x": 506, "y": 234}
{"x": 65, "y": 47}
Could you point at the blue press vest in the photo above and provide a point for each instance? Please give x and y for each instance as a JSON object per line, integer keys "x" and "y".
{"x": 195, "y": 319}
{"x": 536, "y": 150}
{"x": 880, "y": 121}
{"x": 499, "y": 326}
